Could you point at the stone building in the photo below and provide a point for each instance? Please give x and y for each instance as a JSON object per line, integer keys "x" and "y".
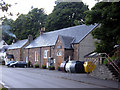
{"x": 17, "y": 48}
{"x": 68, "y": 43}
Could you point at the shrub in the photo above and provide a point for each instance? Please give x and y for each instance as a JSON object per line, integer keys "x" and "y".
{"x": 29, "y": 64}
{"x": 106, "y": 61}
{"x": 3, "y": 62}
{"x": 51, "y": 68}
{"x": 36, "y": 65}
{"x": 58, "y": 68}
{"x": 44, "y": 66}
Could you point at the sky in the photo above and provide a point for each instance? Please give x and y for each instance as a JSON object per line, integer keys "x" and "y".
{"x": 24, "y": 6}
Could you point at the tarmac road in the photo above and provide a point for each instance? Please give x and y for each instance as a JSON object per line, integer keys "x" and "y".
{"x": 36, "y": 78}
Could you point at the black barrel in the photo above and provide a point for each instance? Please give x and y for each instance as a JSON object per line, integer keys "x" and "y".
{"x": 76, "y": 67}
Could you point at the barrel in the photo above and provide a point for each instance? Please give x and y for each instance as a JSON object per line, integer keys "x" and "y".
{"x": 75, "y": 67}
{"x": 67, "y": 67}
{"x": 62, "y": 66}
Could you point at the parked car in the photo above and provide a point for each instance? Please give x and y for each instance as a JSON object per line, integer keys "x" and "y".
{"x": 19, "y": 64}
{"x": 9, "y": 62}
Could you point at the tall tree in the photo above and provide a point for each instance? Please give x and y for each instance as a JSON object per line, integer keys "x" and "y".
{"x": 29, "y": 24}
{"x": 24, "y": 25}
{"x": 66, "y": 14}
{"x": 108, "y": 16}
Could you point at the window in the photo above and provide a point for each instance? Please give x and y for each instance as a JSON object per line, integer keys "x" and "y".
{"x": 45, "y": 53}
{"x": 59, "y": 53}
{"x": 26, "y": 59}
{"x": 36, "y": 55}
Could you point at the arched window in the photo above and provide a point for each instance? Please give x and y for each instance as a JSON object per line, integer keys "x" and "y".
{"x": 59, "y": 53}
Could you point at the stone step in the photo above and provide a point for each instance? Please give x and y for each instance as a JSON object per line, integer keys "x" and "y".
{"x": 113, "y": 71}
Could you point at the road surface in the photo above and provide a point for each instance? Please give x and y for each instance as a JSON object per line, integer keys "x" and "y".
{"x": 36, "y": 78}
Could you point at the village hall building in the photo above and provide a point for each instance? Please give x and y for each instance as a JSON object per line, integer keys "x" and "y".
{"x": 68, "y": 43}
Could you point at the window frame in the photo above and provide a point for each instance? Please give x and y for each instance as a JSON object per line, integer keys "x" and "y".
{"x": 59, "y": 53}
{"x": 45, "y": 54}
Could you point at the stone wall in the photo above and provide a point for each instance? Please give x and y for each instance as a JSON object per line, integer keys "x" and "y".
{"x": 86, "y": 46}
{"x": 102, "y": 72}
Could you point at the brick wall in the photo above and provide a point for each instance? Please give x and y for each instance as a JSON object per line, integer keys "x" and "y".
{"x": 44, "y": 60}
{"x": 68, "y": 53}
{"x": 75, "y": 54}
{"x": 38, "y": 54}
{"x": 59, "y": 48}
{"x": 34, "y": 55}
{"x": 16, "y": 53}
{"x": 25, "y": 55}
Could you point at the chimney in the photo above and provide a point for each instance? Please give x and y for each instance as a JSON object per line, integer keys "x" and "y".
{"x": 42, "y": 30}
{"x": 14, "y": 40}
{"x": 30, "y": 38}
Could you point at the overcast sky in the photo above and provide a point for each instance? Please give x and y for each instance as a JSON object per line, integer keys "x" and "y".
{"x": 24, "y": 6}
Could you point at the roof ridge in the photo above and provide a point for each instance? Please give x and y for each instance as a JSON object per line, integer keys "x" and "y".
{"x": 63, "y": 29}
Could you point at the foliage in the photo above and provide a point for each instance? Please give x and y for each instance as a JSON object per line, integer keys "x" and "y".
{"x": 106, "y": 60}
{"x": 3, "y": 62}
{"x": 24, "y": 25}
{"x": 51, "y": 68}
{"x": 66, "y": 15}
{"x": 29, "y": 64}
{"x": 6, "y": 36}
{"x": 108, "y": 16}
{"x": 44, "y": 66}
{"x": 4, "y": 7}
{"x": 36, "y": 65}
{"x": 58, "y": 68}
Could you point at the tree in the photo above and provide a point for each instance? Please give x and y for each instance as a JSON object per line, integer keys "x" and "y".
{"x": 66, "y": 15}
{"x": 108, "y": 16}
{"x": 30, "y": 23}
{"x": 4, "y": 7}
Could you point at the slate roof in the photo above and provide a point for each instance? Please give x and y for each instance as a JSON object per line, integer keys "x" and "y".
{"x": 18, "y": 44}
{"x": 91, "y": 55}
{"x": 49, "y": 38}
{"x": 67, "y": 41}
{"x": 2, "y": 44}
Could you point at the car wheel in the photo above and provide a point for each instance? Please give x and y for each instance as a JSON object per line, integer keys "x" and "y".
{"x": 14, "y": 66}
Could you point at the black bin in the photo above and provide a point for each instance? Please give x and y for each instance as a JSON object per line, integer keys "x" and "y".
{"x": 77, "y": 67}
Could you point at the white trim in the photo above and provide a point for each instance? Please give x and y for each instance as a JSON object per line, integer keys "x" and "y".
{"x": 45, "y": 53}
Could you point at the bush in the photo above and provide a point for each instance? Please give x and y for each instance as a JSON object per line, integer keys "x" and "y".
{"x": 29, "y": 64}
{"x": 3, "y": 62}
{"x": 106, "y": 61}
{"x": 36, "y": 65}
{"x": 51, "y": 68}
{"x": 58, "y": 68}
{"x": 44, "y": 66}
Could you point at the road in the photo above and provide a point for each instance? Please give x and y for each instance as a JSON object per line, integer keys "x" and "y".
{"x": 37, "y": 78}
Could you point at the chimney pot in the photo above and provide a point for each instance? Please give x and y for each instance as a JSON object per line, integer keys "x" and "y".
{"x": 42, "y": 30}
{"x": 30, "y": 38}
{"x": 14, "y": 40}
